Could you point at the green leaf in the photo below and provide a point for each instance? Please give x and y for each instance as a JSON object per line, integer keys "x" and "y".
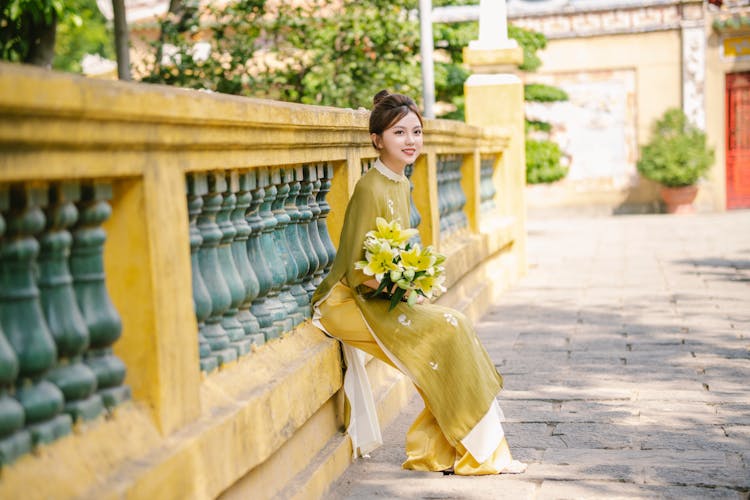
{"x": 396, "y": 298}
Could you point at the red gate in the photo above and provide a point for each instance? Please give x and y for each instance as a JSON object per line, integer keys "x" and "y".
{"x": 738, "y": 140}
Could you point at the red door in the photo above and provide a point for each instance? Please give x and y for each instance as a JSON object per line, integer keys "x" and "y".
{"x": 738, "y": 140}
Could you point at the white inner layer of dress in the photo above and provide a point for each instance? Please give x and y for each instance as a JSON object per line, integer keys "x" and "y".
{"x": 364, "y": 427}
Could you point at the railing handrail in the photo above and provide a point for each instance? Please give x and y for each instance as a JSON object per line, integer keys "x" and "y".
{"x": 43, "y": 111}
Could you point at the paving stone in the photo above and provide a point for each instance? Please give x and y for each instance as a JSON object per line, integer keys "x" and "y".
{"x": 596, "y": 435}
{"x": 703, "y": 437}
{"x": 534, "y": 436}
{"x": 596, "y": 490}
{"x": 696, "y": 474}
{"x": 733, "y": 413}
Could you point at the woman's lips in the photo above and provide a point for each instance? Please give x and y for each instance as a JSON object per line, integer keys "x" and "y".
{"x": 409, "y": 152}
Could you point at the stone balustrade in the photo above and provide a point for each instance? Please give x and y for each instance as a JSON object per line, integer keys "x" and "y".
{"x": 158, "y": 251}
{"x": 57, "y": 324}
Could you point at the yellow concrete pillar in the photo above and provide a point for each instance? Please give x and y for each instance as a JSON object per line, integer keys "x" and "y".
{"x": 345, "y": 177}
{"x": 495, "y": 100}
{"x": 426, "y": 198}
{"x": 147, "y": 255}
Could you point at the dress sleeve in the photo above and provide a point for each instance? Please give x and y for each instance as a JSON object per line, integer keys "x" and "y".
{"x": 360, "y": 217}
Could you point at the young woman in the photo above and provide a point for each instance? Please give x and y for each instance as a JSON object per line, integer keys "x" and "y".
{"x": 459, "y": 429}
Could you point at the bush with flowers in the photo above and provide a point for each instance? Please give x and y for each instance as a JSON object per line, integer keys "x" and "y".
{"x": 399, "y": 266}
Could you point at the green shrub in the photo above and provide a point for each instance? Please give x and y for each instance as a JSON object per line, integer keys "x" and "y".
{"x": 538, "y": 126}
{"x": 539, "y": 92}
{"x": 543, "y": 162}
{"x": 677, "y": 154}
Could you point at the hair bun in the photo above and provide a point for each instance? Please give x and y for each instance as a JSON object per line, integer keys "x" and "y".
{"x": 379, "y": 97}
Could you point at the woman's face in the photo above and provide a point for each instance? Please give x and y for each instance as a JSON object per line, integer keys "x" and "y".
{"x": 400, "y": 144}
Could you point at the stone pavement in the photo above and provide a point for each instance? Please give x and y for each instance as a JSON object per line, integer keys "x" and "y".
{"x": 625, "y": 353}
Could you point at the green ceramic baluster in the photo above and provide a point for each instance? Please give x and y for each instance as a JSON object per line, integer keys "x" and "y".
{"x": 241, "y": 258}
{"x": 326, "y": 174}
{"x": 304, "y": 201}
{"x": 64, "y": 320}
{"x": 22, "y": 320}
{"x": 317, "y": 237}
{"x": 451, "y": 192}
{"x": 210, "y": 269}
{"x": 280, "y": 321}
{"x": 261, "y": 306}
{"x": 288, "y": 265}
{"x": 488, "y": 187}
{"x": 230, "y": 322}
{"x": 443, "y": 195}
{"x": 14, "y": 440}
{"x": 297, "y": 252}
{"x": 197, "y": 187}
{"x": 462, "y": 221}
{"x": 102, "y": 320}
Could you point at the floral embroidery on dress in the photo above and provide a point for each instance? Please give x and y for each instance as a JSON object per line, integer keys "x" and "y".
{"x": 433, "y": 365}
{"x": 451, "y": 319}
{"x": 404, "y": 320}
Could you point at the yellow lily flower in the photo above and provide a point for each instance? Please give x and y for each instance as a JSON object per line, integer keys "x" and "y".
{"x": 429, "y": 284}
{"x": 417, "y": 259}
{"x": 391, "y": 233}
{"x": 380, "y": 262}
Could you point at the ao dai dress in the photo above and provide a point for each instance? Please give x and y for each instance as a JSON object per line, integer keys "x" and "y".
{"x": 436, "y": 347}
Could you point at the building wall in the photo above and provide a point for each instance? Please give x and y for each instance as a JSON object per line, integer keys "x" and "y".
{"x": 604, "y": 55}
{"x": 618, "y": 85}
{"x": 718, "y": 65}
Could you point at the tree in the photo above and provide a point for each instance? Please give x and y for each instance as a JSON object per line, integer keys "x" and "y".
{"x": 85, "y": 33}
{"x": 294, "y": 53}
{"x": 29, "y": 29}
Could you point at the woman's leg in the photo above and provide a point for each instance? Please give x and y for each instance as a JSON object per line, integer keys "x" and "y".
{"x": 427, "y": 449}
{"x": 341, "y": 317}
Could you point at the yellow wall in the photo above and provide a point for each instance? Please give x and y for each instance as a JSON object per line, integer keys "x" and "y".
{"x": 655, "y": 58}
{"x": 188, "y": 434}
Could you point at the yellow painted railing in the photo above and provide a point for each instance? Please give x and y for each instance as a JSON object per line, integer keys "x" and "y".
{"x": 191, "y": 434}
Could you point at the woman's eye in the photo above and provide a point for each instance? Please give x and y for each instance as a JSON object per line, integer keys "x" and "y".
{"x": 418, "y": 132}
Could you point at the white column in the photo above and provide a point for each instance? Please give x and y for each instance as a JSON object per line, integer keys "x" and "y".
{"x": 426, "y": 47}
{"x": 493, "y": 26}
{"x": 694, "y": 74}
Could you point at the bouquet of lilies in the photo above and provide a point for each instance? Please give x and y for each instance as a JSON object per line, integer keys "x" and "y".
{"x": 400, "y": 266}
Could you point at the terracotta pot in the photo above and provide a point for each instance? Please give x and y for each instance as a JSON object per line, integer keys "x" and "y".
{"x": 679, "y": 200}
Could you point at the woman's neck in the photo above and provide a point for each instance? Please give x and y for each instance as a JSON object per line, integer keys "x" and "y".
{"x": 398, "y": 168}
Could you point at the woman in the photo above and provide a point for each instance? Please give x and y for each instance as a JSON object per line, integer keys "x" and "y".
{"x": 459, "y": 429}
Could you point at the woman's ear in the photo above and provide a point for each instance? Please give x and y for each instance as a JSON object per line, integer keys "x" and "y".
{"x": 375, "y": 138}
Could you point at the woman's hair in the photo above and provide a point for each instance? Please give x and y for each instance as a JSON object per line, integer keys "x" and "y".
{"x": 389, "y": 108}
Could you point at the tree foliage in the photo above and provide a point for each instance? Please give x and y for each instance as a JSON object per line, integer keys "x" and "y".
{"x": 53, "y": 32}
{"x": 85, "y": 33}
{"x": 538, "y": 92}
{"x": 27, "y": 29}
{"x": 543, "y": 162}
{"x": 329, "y": 53}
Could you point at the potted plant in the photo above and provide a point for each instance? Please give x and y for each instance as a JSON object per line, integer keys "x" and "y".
{"x": 676, "y": 158}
